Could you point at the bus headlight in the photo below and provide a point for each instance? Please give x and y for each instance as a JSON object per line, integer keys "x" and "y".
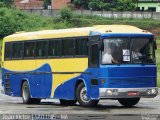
{"x": 151, "y": 91}
{"x": 111, "y": 92}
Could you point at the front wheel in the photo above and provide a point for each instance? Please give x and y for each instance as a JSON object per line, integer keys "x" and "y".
{"x": 81, "y": 95}
{"x": 128, "y": 102}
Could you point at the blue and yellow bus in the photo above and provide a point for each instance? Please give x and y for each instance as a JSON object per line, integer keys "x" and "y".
{"x": 80, "y": 65}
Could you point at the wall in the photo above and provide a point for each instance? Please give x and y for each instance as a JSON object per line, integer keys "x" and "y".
{"x": 107, "y": 14}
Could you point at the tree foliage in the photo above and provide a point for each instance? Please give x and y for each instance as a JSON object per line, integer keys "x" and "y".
{"x": 125, "y": 5}
{"x": 98, "y": 5}
{"x": 112, "y": 5}
{"x": 13, "y": 20}
{"x": 81, "y": 3}
{"x": 7, "y": 3}
{"x": 66, "y": 13}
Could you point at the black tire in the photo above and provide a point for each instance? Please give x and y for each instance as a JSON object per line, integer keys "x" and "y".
{"x": 84, "y": 101}
{"x": 26, "y": 97}
{"x": 128, "y": 102}
{"x": 68, "y": 102}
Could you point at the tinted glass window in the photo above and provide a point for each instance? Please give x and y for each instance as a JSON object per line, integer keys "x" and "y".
{"x": 29, "y": 49}
{"x": 81, "y": 47}
{"x": 41, "y": 47}
{"x": 142, "y": 50}
{"x": 67, "y": 47}
{"x": 17, "y": 50}
{"x": 54, "y": 48}
{"x": 116, "y": 50}
{"x": 8, "y": 50}
{"x": 94, "y": 56}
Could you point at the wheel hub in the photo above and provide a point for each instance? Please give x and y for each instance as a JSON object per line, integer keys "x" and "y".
{"x": 83, "y": 95}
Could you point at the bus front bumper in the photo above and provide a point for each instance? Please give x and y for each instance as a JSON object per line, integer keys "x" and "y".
{"x": 128, "y": 92}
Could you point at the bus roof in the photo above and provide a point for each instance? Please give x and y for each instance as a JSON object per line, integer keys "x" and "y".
{"x": 124, "y": 29}
{"x": 61, "y": 33}
{"x": 75, "y": 32}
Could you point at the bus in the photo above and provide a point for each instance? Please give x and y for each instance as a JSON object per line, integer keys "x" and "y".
{"x": 81, "y": 65}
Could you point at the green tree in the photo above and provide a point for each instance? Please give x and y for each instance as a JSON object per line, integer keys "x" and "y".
{"x": 114, "y": 5}
{"x": 66, "y": 14}
{"x": 125, "y": 5}
{"x": 103, "y": 5}
{"x": 7, "y": 3}
{"x": 93, "y": 5}
{"x": 99, "y": 5}
{"x": 81, "y": 3}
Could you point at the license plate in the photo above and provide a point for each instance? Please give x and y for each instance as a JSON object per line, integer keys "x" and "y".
{"x": 133, "y": 93}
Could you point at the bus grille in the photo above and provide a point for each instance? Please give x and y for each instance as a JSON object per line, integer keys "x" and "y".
{"x": 7, "y": 86}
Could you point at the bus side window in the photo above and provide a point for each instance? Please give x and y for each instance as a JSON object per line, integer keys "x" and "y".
{"x": 54, "y": 48}
{"x": 29, "y": 49}
{"x": 81, "y": 47}
{"x": 68, "y": 47}
{"x": 41, "y": 49}
{"x": 8, "y": 50}
{"x": 17, "y": 50}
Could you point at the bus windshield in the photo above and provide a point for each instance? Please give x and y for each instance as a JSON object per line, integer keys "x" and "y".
{"x": 128, "y": 51}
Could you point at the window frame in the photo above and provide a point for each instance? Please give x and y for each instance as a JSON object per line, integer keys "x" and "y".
{"x": 153, "y": 52}
{"x": 18, "y": 58}
{"x": 87, "y": 39}
{"x": 129, "y": 38}
{"x": 29, "y": 41}
{"x": 52, "y": 40}
{"x": 68, "y": 56}
{"x": 11, "y": 57}
{"x": 46, "y": 51}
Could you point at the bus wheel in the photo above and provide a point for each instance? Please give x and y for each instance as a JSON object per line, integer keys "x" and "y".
{"x": 81, "y": 95}
{"x": 128, "y": 102}
{"x": 26, "y": 95}
{"x": 68, "y": 102}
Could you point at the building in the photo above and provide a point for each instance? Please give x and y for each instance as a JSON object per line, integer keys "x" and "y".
{"x": 39, "y": 4}
{"x": 58, "y": 4}
{"x": 29, "y": 4}
{"x": 149, "y": 5}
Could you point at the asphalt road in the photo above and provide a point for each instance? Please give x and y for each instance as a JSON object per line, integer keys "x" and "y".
{"x": 146, "y": 109}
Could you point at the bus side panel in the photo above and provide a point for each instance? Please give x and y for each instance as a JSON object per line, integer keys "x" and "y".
{"x": 66, "y": 90}
{"x": 92, "y": 89}
{"x": 69, "y": 86}
{"x": 40, "y": 82}
{"x": 11, "y": 83}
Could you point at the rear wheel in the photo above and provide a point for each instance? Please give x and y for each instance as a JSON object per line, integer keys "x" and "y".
{"x": 128, "y": 102}
{"x": 81, "y": 95}
{"x": 68, "y": 102}
{"x": 26, "y": 97}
